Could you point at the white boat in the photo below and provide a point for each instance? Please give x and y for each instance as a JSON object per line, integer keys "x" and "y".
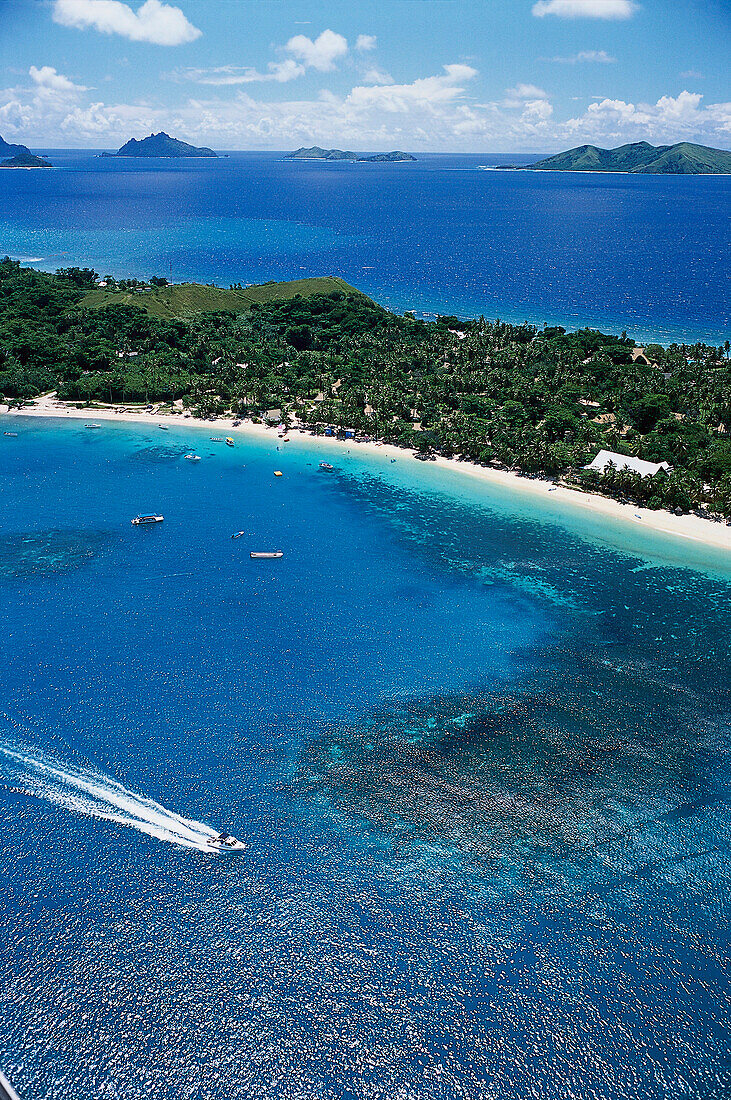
{"x": 13, "y": 434}
{"x": 229, "y": 441}
{"x": 163, "y": 427}
{"x": 93, "y": 427}
{"x": 224, "y": 842}
{"x": 217, "y": 439}
{"x": 193, "y": 458}
{"x": 238, "y": 534}
{"x": 326, "y": 466}
{"x": 266, "y": 554}
{"x": 145, "y": 521}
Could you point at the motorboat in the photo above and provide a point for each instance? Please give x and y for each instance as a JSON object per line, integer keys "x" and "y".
{"x": 277, "y": 473}
{"x": 13, "y": 434}
{"x": 163, "y": 427}
{"x": 238, "y": 534}
{"x": 193, "y": 458}
{"x": 224, "y": 842}
{"x": 217, "y": 439}
{"x": 326, "y": 466}
{"x": 146, "y": 521}
{"x": 229, "y": 441}
{"x": 266, "y": 554}
{"x": 93, "y": 427}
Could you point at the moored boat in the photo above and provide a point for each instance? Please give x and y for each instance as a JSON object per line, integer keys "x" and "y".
{"x": 93, "y": 427}
{"x": 193, "y": 458}
{"x": 326, "y": 466}
{"x": 229, "y": 441}
{"x": 146, "y": 521}
{"x": 266, "y": 554}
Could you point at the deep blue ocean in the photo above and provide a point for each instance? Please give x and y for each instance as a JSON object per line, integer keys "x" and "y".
{"x": 648, "y": 254}
{"x": 478, "y": 747}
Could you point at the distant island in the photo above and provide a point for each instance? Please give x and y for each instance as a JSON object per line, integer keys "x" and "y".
{"x": 25, "y": 160}
{"x": 7, "y": 150}
{"x": 641, "y": 158}
{"x": 160, "y": 145}
{"x": 316, "y": 153}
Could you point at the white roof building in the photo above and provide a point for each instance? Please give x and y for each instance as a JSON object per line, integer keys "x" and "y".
{"x": 626, "y": 462}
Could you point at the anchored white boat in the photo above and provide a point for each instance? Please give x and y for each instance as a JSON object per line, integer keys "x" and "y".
{"x": 145, "y": 521}
{"x": 326, "y": 466}
{"x": 224, "y": 842}
{"x": 193, "y": 458}
{"x": 229, "y": 441}
{"x": 93, "y": 427}
{"x": 267, "y": 554}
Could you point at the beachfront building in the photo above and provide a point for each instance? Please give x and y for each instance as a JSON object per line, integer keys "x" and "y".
{"x": 605, "y": 459}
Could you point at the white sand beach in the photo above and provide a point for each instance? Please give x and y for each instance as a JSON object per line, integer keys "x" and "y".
{"x": 707, "y": 531}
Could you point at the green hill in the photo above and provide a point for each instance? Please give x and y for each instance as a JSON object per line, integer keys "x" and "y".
{"x": 161, "y": 145}
{"x": 318, "y": 153}
{"x": 683, "y": 159}
{"x": 184, "y": 299}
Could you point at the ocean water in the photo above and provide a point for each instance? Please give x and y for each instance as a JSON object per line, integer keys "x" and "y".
{"x": 478, "y": 748}
{"x": 648, "y": 254}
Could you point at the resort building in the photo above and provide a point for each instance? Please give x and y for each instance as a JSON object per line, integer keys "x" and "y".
{"x": 626, "y": 462}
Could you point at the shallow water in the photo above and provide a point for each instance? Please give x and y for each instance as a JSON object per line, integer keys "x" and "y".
{"x": 480, "y": 756}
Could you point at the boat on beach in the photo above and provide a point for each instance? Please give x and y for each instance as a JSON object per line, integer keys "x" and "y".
{"x": 266, "y": 554}
{"x": 224, "y": 842}
{"x": 147, "y": 521}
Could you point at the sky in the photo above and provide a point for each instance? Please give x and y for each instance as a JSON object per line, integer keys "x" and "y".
{"x": 419, "y": 75}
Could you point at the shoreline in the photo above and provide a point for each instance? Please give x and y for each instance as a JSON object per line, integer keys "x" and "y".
{"x": 711, "y": 533}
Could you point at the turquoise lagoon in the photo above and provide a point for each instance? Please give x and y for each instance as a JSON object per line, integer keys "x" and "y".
{"x": 478, "y": 747}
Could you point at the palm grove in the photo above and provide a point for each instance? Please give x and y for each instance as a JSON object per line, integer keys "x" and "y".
{"x": 534, "y": 400}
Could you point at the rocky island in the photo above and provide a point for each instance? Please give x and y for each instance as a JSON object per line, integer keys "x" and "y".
{"x": 160, "y": 145}
{"x": 25, "y": 160}
{"x": 317, "y": 153}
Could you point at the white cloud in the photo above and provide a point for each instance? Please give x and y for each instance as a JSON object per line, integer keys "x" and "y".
{"x": 425, "y": 94}
{"x": 231, "y": 75}
{"x": 586, "y": 9}
{"x": 155, "y": 22}
{"x": 377, "y": 76}
{"x": 320, "y": 53}
{"x": 525, "y": 91}
{"x": 365, "y": 42}
{"x": 48, "y": 80}
{"x": 599, "y": 56}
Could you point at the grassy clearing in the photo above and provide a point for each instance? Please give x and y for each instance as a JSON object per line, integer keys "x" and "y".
{"x": 184, "y": 299}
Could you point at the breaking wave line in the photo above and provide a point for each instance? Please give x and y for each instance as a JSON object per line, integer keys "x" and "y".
{"x": 88, "y": 791}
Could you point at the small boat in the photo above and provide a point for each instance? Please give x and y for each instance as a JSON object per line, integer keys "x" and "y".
{"x": 163, "y": 427}
{"x": 93, "y": 427}
{"x": 326, "y": 466}
{"x": 238, "y": 534}
{"x": 146, "y": 521}
{"x": 193, "y": 458}
{"x": 216, "y": 439}
{"x": 278, "y": 473}
{"x": 229, "y": 441}
{"x": 13, "y": 434}
{"x": 266, "y": 554}
{"x": 286, "y": 439}
{"x": 224, "y": 842}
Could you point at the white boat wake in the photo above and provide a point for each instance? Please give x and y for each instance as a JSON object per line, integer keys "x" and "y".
{"x": 90, "y": 792}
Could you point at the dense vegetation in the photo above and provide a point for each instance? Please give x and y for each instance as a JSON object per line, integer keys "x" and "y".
{"x": 683, "y": 159}
{"x": 536, "y": 400}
